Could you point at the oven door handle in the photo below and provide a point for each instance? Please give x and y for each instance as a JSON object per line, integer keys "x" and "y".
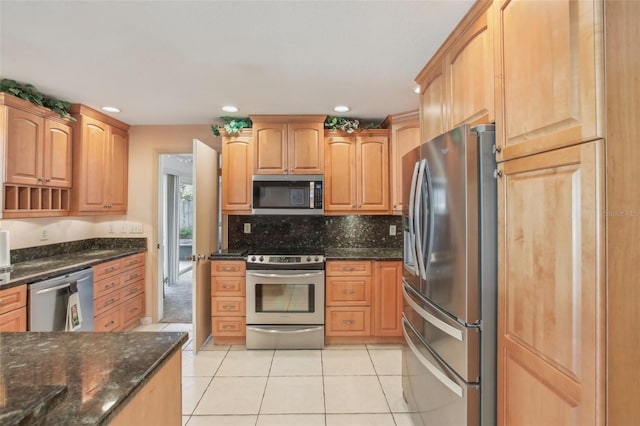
{"x": 310, "y": 274}
{"x": 280, "y": 330}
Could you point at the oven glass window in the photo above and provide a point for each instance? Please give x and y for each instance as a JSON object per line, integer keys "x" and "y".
{"x": 285, "y": 298}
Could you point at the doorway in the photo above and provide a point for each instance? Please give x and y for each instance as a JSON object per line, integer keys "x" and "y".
{"x": 177, "y": 294}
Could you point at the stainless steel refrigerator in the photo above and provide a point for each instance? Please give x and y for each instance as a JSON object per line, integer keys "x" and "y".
{"x": 450, "y": 279}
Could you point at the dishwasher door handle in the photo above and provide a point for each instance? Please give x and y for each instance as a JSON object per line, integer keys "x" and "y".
{"x": 47, "y": 290}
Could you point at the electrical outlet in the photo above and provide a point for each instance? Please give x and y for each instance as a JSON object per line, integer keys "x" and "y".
{"x": 111, "y": 230}
{"x": 122, "y": 227}
{"x": 135, "y": 228}
{"x": 247, "y": 228}
{"x": 43, "y": 235}
{"x": 392, "y": 230}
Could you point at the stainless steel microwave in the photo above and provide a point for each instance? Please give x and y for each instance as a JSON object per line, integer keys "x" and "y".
{"x": 288, "y": 194}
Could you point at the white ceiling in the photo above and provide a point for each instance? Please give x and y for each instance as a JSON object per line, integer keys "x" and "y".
{"x": 179, "y": 62}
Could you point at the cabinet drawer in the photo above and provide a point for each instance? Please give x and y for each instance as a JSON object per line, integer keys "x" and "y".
{"x": 13, "y": 298}
{"x": 132, "y": 309}
{"x": 228, "y": 267}
{"x": 349, "y": 291}
{"x": 227, "y": 286}
{"x": 132, "y": 275}
{"x": 348, "y": 321}
{"x": 106, "y": 302}
{"x": 106, "y": 286}
{"x": 108, "y": 321}
{"x": 348, "y": 267}
{"x": 15, "y": 320}
{"x": 106, "y": 269}
{"x": 132, "y": 290}
{"x": 228, "y": 306}
{"x": 228, "y": 326}
{"x": 132, "y": 261}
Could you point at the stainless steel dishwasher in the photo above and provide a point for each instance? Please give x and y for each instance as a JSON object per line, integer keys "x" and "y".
{"x": 48, "y": 301}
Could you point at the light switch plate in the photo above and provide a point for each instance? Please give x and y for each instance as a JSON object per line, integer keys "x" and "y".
{"x": 247, "y": 228}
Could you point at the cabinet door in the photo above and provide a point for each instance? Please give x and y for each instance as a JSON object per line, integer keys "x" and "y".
{"x": 404, "y": 137}
{"x": 57, "y": 154}
{"x": 551, "y": 69}
{"x": 340, "y": 174}
{"x": 433, "y": 109}
{"x": 306, "y": 148}
{"x": 387, "y": 299}
{"x": 25, "y": 133}
{"x": 270, "y": 149}
{"x": 91, "y": 152}
{"x": 117, "y": 171}
{"x": 15, "y": 320}
{"x": 372, "y": 171}
{"x": 551, "y": 288}
{"x": 237, "y": 167}
{"x": 470, "y": 67}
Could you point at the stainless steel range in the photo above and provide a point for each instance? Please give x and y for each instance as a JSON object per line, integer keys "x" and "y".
{"x": 285, "y": 300}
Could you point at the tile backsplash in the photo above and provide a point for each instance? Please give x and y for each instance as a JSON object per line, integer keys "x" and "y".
{"x": 315, "y": 231}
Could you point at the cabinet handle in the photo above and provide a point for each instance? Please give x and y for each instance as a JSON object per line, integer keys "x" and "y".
{"x": 227, "y": 287}
{"x": 497, "y": 174}
{"x": 110, "y": 285}
{"x": 347, "y": 322}
{"x": 228, "y": 307}
{"x": 47, "y": 180}
{"x": 228, "y": 327}
{"x": 348, "y": 291}
{"x": 228, "y": 268}
{"x": 110, "y": 269}
{"x": 133, "y": 276}
{"x": 40, "y": 179}
{"x": 133, "y": 262}
{"x": 109, "y": 302}
{"x": 353, "y": 206}
{"x": 394, "y": 206}
{"x": 133, "y": 290}
{"x": 109, "y": 324}
{"x": 133, "y": 310}
{"x": 348, "y": 268}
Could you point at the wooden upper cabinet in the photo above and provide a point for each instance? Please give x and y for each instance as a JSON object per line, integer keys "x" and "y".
{"x": 288, "y": 144}
{"x": 549, "y": 59}
{"x": 357, "y": 173}
{"x": 470, "y": 69}
{"x": 372, "y": 173}
{"x": 237, "y": 168}
{"x": 101, "y": 163}
{"x": 38, "y": 145}
{"x": 433, "y": 108}
{"x": 340, "y": 174}
{"x": 551, "y": 289}
{"x": 404, "y": 136}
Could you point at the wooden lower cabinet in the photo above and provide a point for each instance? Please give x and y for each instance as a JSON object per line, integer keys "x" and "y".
{"x": 159, "y": 402}
{"x": 13, "y": 309}
{"x": 551, "y": 288}
{"x": 228, "y": 303}
{"x": 118, "y": 293}
{"x": 363, "y": 298}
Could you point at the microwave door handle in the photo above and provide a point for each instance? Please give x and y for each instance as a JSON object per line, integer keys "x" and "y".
{"x": 418, "y": 227}
{"x": 311, "y": 187}
{"x": 412, "y": 231}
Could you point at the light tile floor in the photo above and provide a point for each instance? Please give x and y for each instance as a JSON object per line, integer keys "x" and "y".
{"x": 355, "y": 385}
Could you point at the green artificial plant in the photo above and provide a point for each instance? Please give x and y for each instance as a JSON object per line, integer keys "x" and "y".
{"x": 233, "y": 125}
{"x": 29, "y": 93}
{"x": 347, "y": 124}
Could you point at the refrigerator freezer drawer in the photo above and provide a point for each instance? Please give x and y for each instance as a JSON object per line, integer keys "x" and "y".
{"x": 458, "y": 346}
{"x": 435, "y": 395}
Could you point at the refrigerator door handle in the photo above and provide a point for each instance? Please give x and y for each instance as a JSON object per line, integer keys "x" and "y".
{"x": 412, "y": 231}
{"x": 418, "y": 230}
{"x": 450, "y": 384}
{"x": 431, "y": 319}
{"x": 430, "y": 212}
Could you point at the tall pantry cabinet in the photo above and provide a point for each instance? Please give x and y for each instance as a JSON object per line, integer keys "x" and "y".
{"x": 566, "y": 120}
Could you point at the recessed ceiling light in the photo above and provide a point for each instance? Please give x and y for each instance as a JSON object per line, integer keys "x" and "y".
{"x": 229, "y": 108}
{"x": 341, "y": 108}
{"x": 110, "y": 109}
{"x": 416, "y": 89}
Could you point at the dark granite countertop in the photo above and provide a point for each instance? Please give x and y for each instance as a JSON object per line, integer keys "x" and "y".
{"x": 363, "y": 253}
{"x": 35, "y": 270}
{"x": 100, "y": 372}
{"x": 229, "y": 254}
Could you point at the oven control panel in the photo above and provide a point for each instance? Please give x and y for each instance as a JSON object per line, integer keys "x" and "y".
{"x": 285, "y": 260}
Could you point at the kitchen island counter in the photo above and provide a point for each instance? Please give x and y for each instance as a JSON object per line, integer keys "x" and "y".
{"x": 91, "y": 378}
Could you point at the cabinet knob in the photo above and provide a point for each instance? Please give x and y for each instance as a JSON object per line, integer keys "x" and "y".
{"x": 47, "y": 180}
{"x": 40, "y": 179}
